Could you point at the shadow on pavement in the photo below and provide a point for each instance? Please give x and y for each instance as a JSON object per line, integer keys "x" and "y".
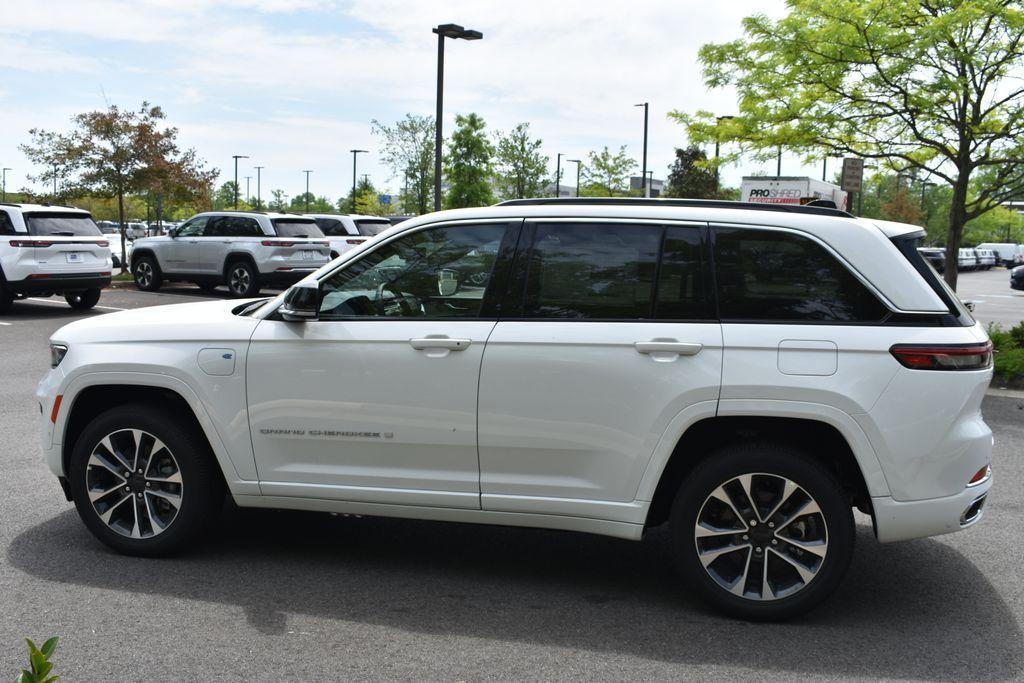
{"x": 912, "y": 610}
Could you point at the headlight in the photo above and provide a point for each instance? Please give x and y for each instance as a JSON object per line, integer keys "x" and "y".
{"x": 57, "y": 353}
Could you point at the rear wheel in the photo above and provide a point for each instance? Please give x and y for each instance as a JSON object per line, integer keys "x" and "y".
{"x": 83, "y": 301}
{"x": 144, "y": 481}
{"x": 763, "y": 531}
{"x": 242, "y": 280}
{"x": 146, "y": 274}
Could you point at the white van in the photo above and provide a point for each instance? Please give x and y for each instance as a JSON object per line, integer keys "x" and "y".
{"x": 1007, "y": 253}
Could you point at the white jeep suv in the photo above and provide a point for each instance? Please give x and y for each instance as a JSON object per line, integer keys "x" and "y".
{"x": 241, "y": 249}
{"x": 748, "y": 374}
{"x": 47, "y": 250}
{"x": 348, "y": 231}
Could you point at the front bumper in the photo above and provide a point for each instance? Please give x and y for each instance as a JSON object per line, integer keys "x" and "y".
{"x": 903, "y": 520}
{"x": 58, "y": 283}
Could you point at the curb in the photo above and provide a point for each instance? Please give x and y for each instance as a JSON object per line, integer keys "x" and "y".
{"x": 1005, "y": 393}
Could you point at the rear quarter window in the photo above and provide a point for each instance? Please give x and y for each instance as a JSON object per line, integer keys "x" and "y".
{"x": 296, "y": 228}
{"x": 767, "y": 275}
{"x": 369, "y": 228}
{"x": 62, "y": 224}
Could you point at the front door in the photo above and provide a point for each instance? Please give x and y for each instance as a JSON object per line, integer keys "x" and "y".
{"x": 181, "y": 255}
{"x": 376, "y": 400}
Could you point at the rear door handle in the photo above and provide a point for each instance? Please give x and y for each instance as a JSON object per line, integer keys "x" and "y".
{"x": 668, "y": 346}
{"x": 424, "y": 343}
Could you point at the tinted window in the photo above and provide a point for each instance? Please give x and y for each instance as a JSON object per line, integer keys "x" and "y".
{"x": 373, "y": 227}
{"x": 69, "y": 224}
{"x": 769, "y": 275}
{"x": 289, "y": 227}
{"x": 233, "y": 226}
{"x": 193, "y": 228}
{"x": 592, "y": 271}
{"x": 682, "y": 279}
{"x": 331, "y": 226}
{"x": 6, "y": 226}
{"x": 439, "y": 273}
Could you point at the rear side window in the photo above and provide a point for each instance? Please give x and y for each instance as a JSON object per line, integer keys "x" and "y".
{"x": 592, "y": 271}
{"x": 233, "y": 226}
{"x": 287, "y": 227}
{"x": 63, "y": 224}
{"x": 779, "y": 276}
{"x": 6, "y": 226}
{"x": 369, "y": 228}
{"x": 683, "y": 277}
{"x": 331, "y": 226}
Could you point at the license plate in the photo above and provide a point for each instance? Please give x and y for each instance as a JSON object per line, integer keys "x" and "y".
{"x": 75, "y": 257}
{"x": 310, "y": 255}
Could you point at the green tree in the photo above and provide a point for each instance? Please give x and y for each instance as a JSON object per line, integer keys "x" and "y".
{"x": 114, "y": 153}
{"x": 691, "y": 177}
{"x": 407, "y": 147}
{"x": 519, "y": 165}
{"x": 469, "y": 164}
{"x": 931, "y": 85}
{"x": 607, "y": 174}
{"x": 224, "y": 198}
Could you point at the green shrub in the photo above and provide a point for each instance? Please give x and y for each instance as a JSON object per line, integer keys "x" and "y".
{"x": 1009, "y": 363}
{"x": 39, "y": 663}
{"x": 1009, "y": 346}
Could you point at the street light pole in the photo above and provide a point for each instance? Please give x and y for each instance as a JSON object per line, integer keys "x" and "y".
{"x": 443, "y": 31}
{"x": 236, "y": 157}
{"x": 558, "y": 175}
{"x": 643, "y": 171}
{"x": 778, "y": 163}
{"x": 55, "y": 182}
{"x": 3, "y": 191}
{"x": 259, "y": 202}
{"x": 307, "y": 189}
{"x": 247, "y": 179}
{"x": 718, "y": 143}
{"x": 355, "y": 152}
{"x": 577, "y": 162}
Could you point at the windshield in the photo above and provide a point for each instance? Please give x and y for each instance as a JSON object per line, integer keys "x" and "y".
{"x": 371, "y": 227}
{"x": 290, "y": 227}
{"x": 64, "y": 224}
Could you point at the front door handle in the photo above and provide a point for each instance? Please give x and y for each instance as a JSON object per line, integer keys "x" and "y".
{"x": 424, "y": 343}
{"x": 668, "y": 346}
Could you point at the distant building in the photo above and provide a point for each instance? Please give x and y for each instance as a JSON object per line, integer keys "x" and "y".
{"x": 563, "y": 190}
{"x": 657, "y": 186}
{"x": 1015, "y": 205}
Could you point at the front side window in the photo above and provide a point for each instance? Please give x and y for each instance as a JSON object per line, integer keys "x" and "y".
{"x": 62, "y": 224}
{"x": 779, "y": 276}
{"x": 434, "y": 273}
{"x": 194, "y": 228}
{"x": 286, "y": 227}
{"x": 596, "y": 271}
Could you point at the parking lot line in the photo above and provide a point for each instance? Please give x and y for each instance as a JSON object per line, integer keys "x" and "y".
{"x": 48, "y": 301}
{"x": 3, "y": 323}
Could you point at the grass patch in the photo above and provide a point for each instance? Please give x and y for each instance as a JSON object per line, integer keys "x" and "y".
{"x": 1009, "y": 356}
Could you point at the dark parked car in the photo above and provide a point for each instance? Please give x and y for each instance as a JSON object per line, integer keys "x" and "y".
{"x": 935, "y": 256}
{"x": 1017, "y": 278}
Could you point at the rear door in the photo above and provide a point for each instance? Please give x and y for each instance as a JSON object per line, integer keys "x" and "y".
{"x": 601, "y": 345}
{"x": 222, "y": 234}
{"x": 300, "y": 245}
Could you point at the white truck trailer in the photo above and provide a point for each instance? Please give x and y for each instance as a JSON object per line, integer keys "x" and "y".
{"x": 797, "y": 190}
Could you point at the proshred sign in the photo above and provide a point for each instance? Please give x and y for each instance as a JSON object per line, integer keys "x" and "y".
{"x": 795, "y": 190}
{"x": 769, "y": 195}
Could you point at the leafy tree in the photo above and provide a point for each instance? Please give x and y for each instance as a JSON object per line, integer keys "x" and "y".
{"x": 690, "y": 176}
{"x": 224, "y": 198}
{"x": 115, "y": 152}
{"x": 520, "y": 166}
{"x": 931, "y": 85}
{"x": 180, "y": 179}
{"x": 279, "y": 201}
{"x": 469, "y": 164}
{"x": 315, "y": 204}
{"x": 607, "y": 174}
{"x": 407, "y": 147}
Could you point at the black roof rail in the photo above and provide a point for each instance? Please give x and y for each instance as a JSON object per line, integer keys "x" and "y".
{"x": 264, "y": 213}
{"x": 817, "y": 209}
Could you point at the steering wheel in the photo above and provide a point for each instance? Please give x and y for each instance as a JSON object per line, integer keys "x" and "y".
{"x": 403, "y": 302}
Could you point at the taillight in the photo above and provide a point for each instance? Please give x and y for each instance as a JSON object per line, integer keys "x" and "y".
{"x": 354, "y": 241}
{"x": 31, "y": 243}
{"x": 103, "y": 243}
{"x": 944, "y": 356}
{"x": 275, "y": 243}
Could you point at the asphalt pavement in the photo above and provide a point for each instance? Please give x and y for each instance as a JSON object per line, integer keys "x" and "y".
{"x": 273, "y": 596}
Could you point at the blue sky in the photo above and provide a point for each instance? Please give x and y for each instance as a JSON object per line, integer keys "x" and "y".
{"x": 294, "y": 84}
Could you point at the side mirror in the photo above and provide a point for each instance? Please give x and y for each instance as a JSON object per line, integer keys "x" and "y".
{"x": 447, "y": 282}
{"x": 301, "y": 303}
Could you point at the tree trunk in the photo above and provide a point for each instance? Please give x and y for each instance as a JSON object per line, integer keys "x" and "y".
{"x": 957, "y": 220}
{"x": 120, "y": 215}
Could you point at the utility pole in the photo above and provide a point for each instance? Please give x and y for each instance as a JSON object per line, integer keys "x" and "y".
{"x": 355, "y": 153}
{"x": 443, "y": 31}
{"x": 236, "y": 157}
{"x": 778, "y": 163}
{"x": 259, "y": 203}
{"x": 247, "y": 179}
{"x": 558, "y": 175}
{"x": 643, "y": 171}
{"x": 577, "y": 162}
{"x": 307, "y": 190}
{"x": 3, "y": 191}
{"x": 55, "y": 182}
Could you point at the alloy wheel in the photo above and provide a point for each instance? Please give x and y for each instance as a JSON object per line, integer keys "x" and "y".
{"x": 761, "y": 537}
{"x": 134, "y": 483}
{"x": 239, "y": 280}
{"x": 143, "y": 274}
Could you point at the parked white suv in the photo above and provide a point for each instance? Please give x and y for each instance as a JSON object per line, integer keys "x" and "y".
{"x": 747, "y": 373}
{"x": 47, "y": 250}
{"x": 348, "y": 231}
{"x": 241, "y": 249}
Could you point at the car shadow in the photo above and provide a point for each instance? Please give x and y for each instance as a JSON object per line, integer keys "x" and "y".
{"x": 56, "y": 309}
{"x": 912, "y": 610}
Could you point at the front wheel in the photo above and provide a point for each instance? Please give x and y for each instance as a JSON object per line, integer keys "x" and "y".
{"x": 763, "y": 531}
{"x": 144, "y": 481}
{"x": 242, "y": 280}
{"x": 83, "y": 301}
{"x": 146, "y": 274}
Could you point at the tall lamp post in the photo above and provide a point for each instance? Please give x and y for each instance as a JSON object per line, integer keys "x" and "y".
{"x": 443, "y": 31}
{"x": 236, "y": 157}
{"x": 355, "y": 153}
{"x": 645, "y": 188}
{"x": 558, "y": 176}
{"x": 247, "y": 179}
{"x": 259, "y": 203}
{"x": 577, "y": 162}
{"x": 718, "y": 146}
{"x": 3, "y": 191}
{"x": 307, "y": 189}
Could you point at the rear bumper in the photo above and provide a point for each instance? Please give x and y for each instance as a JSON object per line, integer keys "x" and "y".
{"x": 284, "y": 278}
{"x": 59, "y": 283}
{"x": 903, "y": 520}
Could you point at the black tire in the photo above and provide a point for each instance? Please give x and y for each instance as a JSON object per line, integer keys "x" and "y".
{"x": 6, "y": 299}
{"x": 83, "y": 301}
{"x": 147, "y": 274}
{"x": 242, "y": 280}
{"x": 334, "y": 255}
{"x": 201, "y": 489}
{"x": 722, "y": 468}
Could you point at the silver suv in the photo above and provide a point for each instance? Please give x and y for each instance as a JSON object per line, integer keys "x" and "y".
{"x": 241, "y": 249}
